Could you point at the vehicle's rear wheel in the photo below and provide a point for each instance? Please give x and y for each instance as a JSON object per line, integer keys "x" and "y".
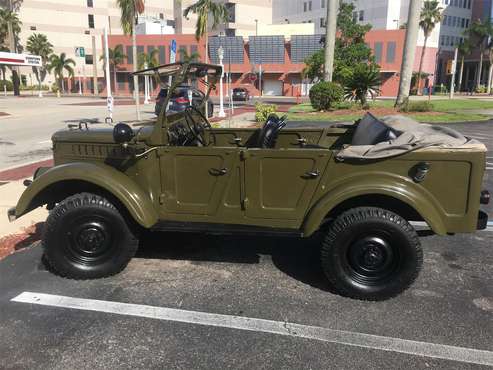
{"x": 371, "y": 253}
{"x": 85, "y": 237}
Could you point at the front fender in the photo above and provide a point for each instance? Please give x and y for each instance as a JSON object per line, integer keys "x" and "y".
{"x": 136, "y": 201}
{"x": 368, "y": 183}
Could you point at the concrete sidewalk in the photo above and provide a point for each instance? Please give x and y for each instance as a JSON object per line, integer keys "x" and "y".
{"x": 9, "y": 195}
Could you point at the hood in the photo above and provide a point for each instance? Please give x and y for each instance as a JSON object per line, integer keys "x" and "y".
{"x": 92, "y": 135}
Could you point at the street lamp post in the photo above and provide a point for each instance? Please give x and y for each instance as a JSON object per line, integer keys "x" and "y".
{"x": 146, "y": 87}
{"x": 220, "y": 53}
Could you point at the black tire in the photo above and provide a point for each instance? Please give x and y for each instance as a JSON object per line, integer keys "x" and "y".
{"x": 85, "y": 237}
{"x": 371, "y": 254}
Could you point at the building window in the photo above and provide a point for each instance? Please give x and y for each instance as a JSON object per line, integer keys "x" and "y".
{"x": 90, "y": 4}
{"x": 391, "y": 46}
{"x": 310, "y": 6}
{"x": 130, "y": 55}
{"x": 323, "y": 4}
{"x": 231, "y": 12}
{"x": 89, "y": 59}
{"x": 305, "y": 7}
{"x": 361, "y": 17}
{"x": 33, "y": 28}
{"x": 322, "y": 22}
{"x": 467, "y": 23}
{"x": 161, "y": 15}
{"x": 463, "y": 22}
{"x": 378, "y": 51}
{"x": 162, "y": 54}
{"x": 90, "y": 20}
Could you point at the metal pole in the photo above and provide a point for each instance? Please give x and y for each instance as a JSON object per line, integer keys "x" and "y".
{"x": 94, "y": 66}
{"x": 330, "y": 38}
{"x": 409, "y": 51}
{"x": 109, "y": 97}
{"x": 260, "y": 81}
{"x": 452, "y": 78}
{"x": 221, "y": 97}
{"x": 80, "y": 84}
{"x": 136, "y": 78}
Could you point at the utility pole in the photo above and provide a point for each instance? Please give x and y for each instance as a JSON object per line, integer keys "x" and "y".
{"x": 454, "y": 70}
{"x": 412, "y": 32}
{"x": 94, "y": 66}
{"x": 330, "y": 38}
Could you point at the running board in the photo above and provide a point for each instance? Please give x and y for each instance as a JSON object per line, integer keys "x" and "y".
{"x": 224, "y": 229}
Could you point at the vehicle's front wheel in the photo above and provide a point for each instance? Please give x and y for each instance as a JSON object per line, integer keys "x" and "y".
{"x": 85, "y": 237}
{"x": 371, "y": 253}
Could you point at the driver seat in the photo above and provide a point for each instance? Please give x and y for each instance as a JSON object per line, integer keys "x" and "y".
{"x": 268, "y": 134}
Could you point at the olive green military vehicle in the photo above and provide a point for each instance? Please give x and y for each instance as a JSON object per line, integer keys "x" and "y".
{"x": 110, "y": 185}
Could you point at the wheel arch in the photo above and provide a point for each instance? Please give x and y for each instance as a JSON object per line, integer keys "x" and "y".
{"x": 410, "y": 202}
{"x": 62, "y": 181}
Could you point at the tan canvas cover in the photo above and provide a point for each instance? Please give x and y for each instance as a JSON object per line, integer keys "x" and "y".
{"x": 412, "y": 136}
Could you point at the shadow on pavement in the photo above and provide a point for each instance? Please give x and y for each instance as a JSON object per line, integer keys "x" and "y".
{"x": 297, "y": 258}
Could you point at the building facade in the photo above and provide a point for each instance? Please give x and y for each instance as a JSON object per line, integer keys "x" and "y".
{"x": 279, "y": 59}
{"x": 71, "y": 24}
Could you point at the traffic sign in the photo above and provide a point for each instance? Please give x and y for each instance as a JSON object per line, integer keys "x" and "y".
{"x": 80, "y": 52}
{"x": 172, "y": 57}
{"x": 20, "y": 59}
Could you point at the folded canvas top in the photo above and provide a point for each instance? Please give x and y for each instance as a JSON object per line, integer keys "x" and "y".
{"x": 399, "y": 135}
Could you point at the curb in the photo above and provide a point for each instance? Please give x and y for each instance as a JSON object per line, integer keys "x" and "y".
{"x": 24, "y": 171}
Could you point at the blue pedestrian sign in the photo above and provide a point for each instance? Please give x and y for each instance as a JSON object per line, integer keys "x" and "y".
{"x": 172, "y": 57}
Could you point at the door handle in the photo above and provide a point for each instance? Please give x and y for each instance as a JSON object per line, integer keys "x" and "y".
{"x": 216, "y": 172}
{"x": 311, "y": 174}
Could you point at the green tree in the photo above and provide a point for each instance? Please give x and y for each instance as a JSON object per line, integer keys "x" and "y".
{"x": 431, "y": 15}
{"x": 129, "y": 10}
{"x": 350, "y": 50}
{"x": 189, "y": 58}
{"x": 9, "y": 22}
{"x": 58, "y": 64}
{"x": 465, "y": 48}
{"x": 478, "y": 33}
{"x": 363, "y": 81}
{"x": 116, "y": 57}
{"x": 205, "y": 9}
{"x": 38, "y": 44}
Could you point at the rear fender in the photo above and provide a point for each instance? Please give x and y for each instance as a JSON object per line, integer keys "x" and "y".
{"x": 393, "y": 186}
{"x": 131, "y": 196}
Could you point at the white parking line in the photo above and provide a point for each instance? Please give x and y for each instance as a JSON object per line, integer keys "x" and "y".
{"x": 411, "y": 347}
{"x": 44, "y": 142}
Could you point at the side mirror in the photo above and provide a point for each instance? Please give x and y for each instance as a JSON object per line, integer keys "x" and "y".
{"x": 122, "y": 133}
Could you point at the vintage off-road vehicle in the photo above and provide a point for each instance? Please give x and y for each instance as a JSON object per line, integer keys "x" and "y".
{"x": 110, "y": 185}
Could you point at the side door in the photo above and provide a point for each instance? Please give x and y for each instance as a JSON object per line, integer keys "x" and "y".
{"x": 280, "y": 183}
{"x": 194, "y": 179}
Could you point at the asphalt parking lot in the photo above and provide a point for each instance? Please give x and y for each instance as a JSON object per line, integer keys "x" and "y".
{"x": 208, "y": 302}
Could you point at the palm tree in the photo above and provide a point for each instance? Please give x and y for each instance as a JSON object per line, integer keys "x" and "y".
{"x": 149, "y": 60}
{"x": 189, "y": 58}
{"x": 203, "y": 9}
{"x": 364, "y": 81}
{"x": 10, "y": 28}
{"x": 116, "y": 57}
{"x": 58, "y": 64}
{"x": 431, "y": 14}
{"x": 130, "y": 9}
{"x": 478, "y": 36}
{"x": 465, "y": 48}
{"x": 412, "y": 31}
{"x": 38, "y": 44}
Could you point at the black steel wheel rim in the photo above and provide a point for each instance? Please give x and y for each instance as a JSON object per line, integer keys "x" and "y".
{"x": 90, "y": 240}
{"x": 372, "y": 259}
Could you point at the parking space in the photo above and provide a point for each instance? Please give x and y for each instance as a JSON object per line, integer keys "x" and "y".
{"x": 192, "y": 301}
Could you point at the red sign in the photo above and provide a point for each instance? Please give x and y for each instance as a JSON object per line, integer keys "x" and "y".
{"x": 253, "y": 77}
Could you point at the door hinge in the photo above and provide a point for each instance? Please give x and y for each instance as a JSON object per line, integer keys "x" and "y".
{"x": 244, "y": 204}
{"x": 244, "y": 155}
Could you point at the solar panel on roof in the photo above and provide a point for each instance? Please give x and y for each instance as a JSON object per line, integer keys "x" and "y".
{"x": 303, "y": 46}
{"x": 266, "y": 49}
{"x": 233, "y": 48}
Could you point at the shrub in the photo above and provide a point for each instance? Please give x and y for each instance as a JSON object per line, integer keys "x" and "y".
{"x": 8, "y": 84}
{"x": 263, "y": 111}
{"x": 364, "y": 81}
{"x": 481, "y": 89}
{"x": 324, "y": 95}
{"x": 416, "y": 106}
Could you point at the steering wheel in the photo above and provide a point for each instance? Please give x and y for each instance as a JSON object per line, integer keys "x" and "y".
{"x": 197, "y": 128}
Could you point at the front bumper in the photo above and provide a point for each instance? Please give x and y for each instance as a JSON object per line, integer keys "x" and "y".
{"x": 11, "y": 214}
{"x": 482, "y": 220}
